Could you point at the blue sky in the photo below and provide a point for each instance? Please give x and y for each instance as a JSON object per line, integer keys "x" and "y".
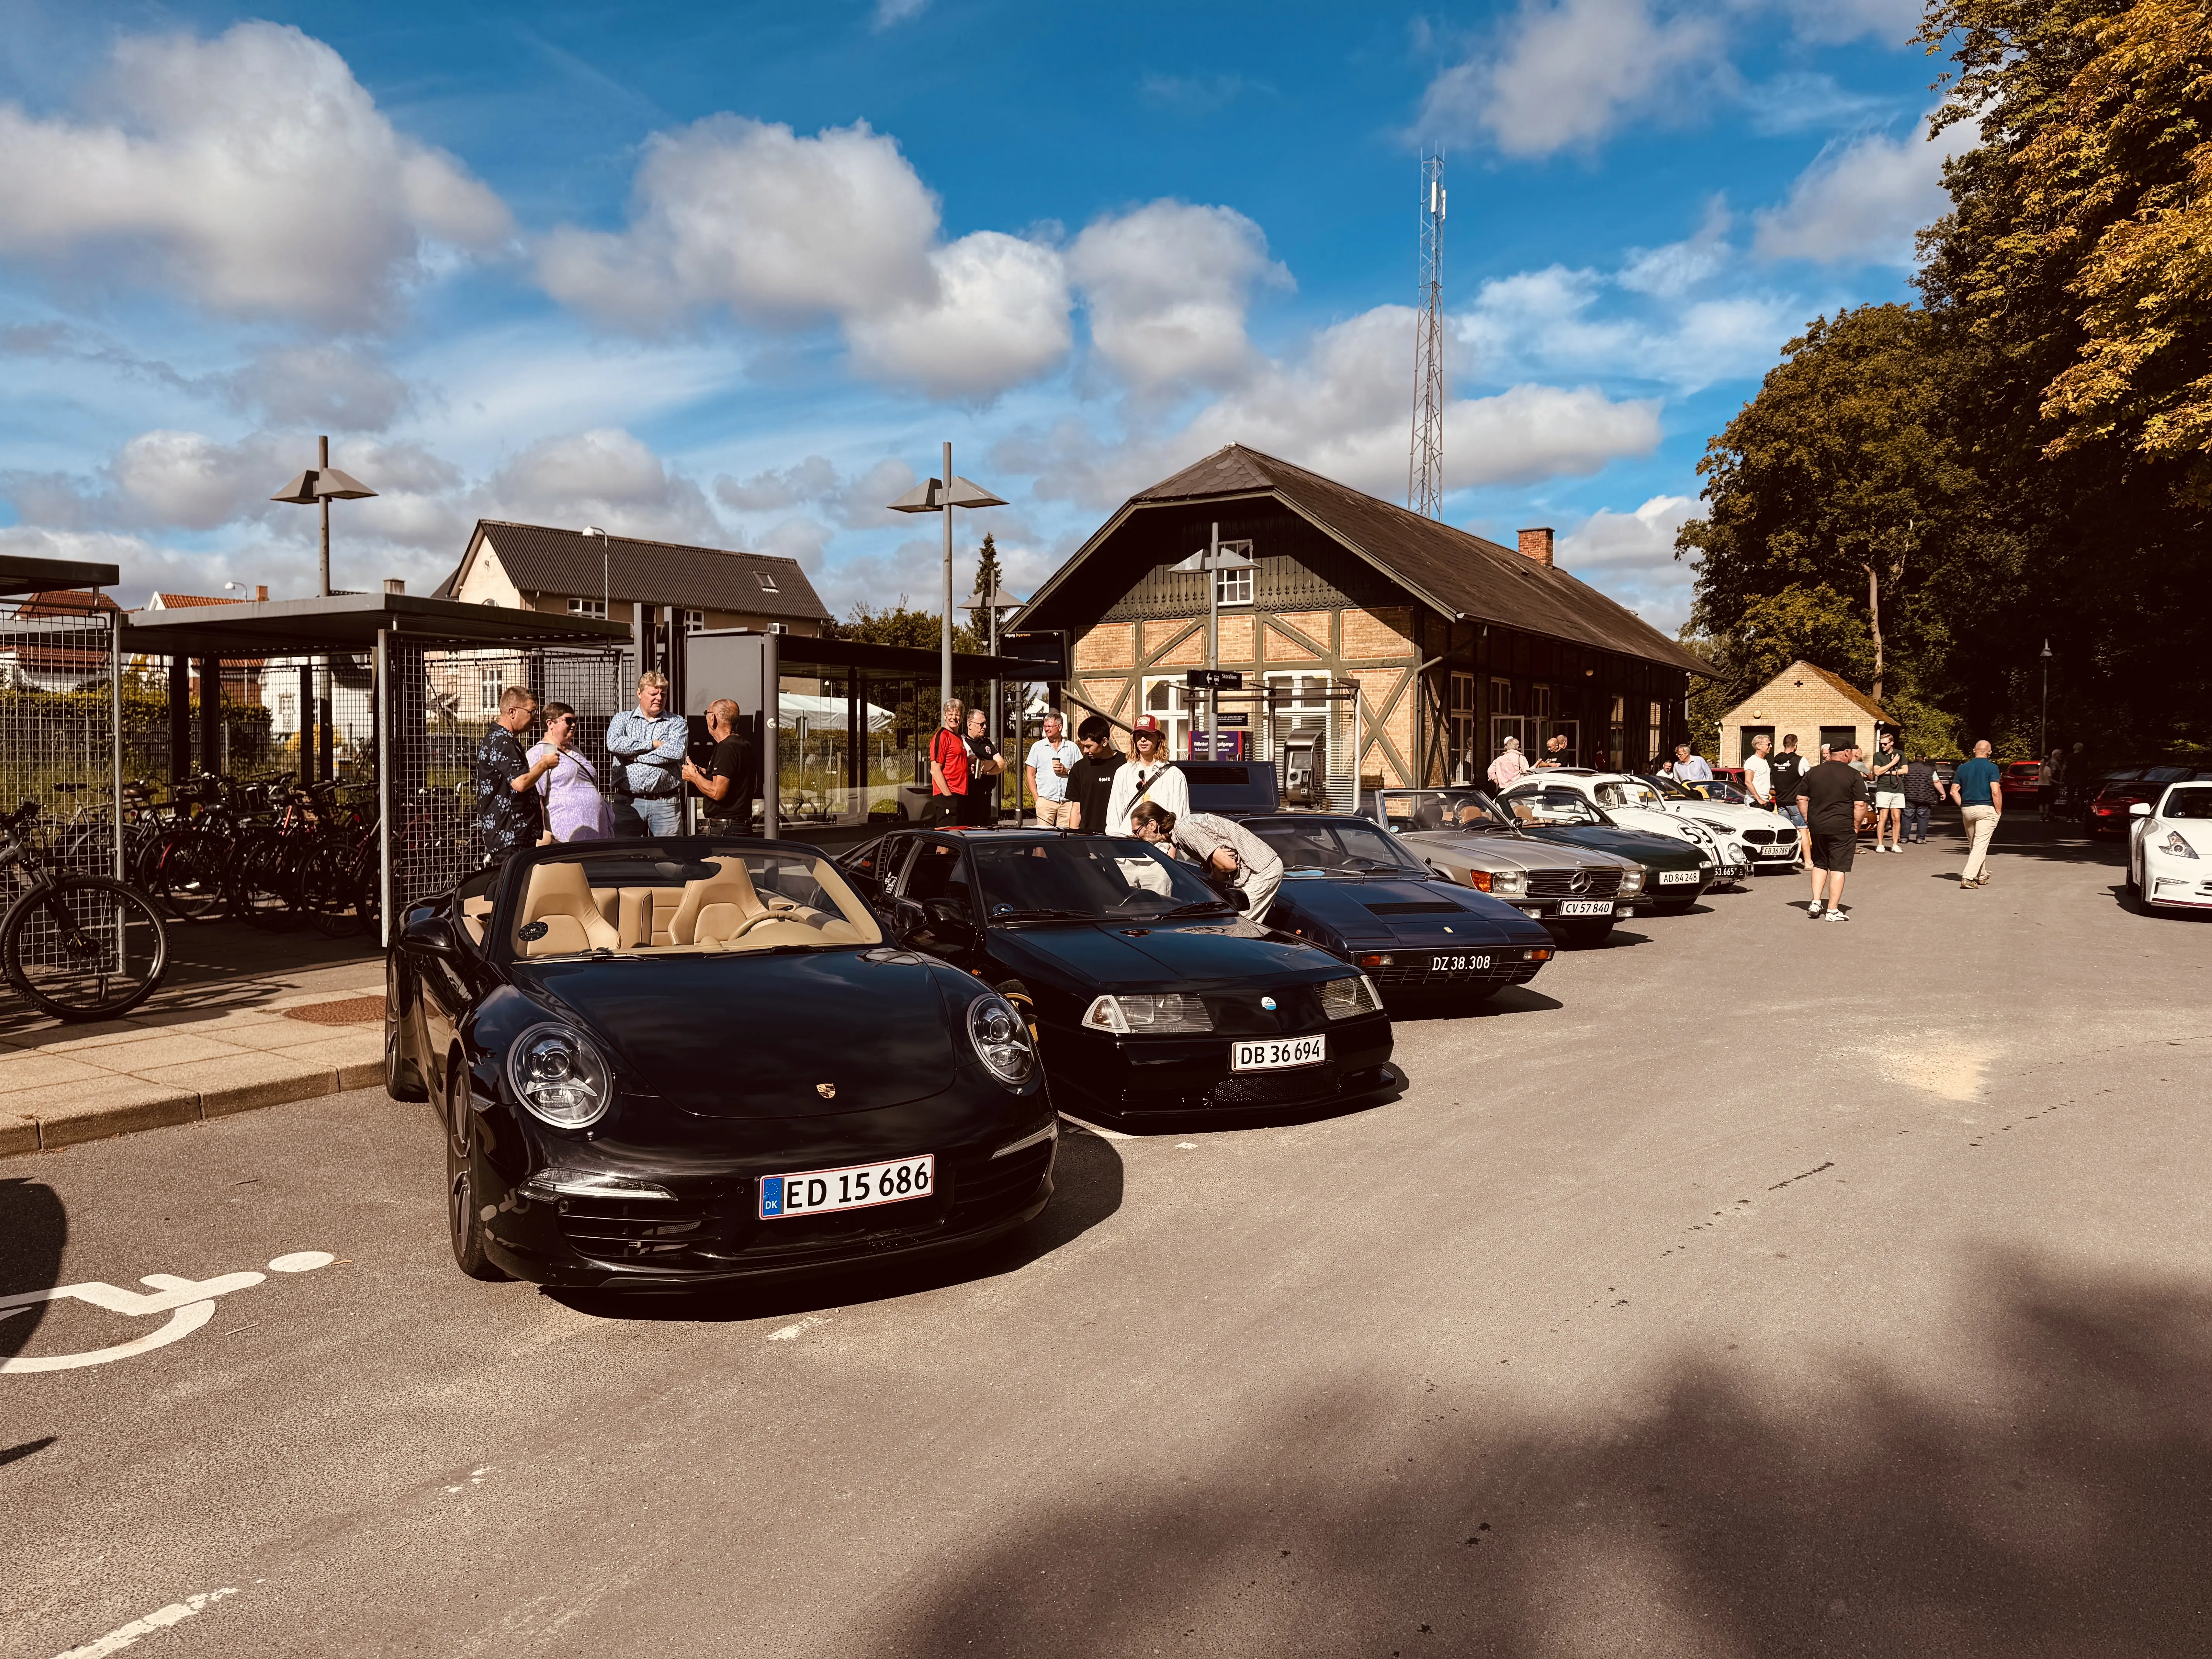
{"x": 731, "y": 273}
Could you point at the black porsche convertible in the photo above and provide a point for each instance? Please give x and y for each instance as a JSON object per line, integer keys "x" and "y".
{"x": 1354, "y": 890}
{"x": 1148, "y": 993}
{"x": 665, "y": 1062}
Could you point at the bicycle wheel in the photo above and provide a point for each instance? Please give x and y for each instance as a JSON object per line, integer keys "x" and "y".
{"x": 84, "y": 947}
{"x": 328, "y": 890}
{"x": 263, "y": 889}
{"x": 188, "y": 877}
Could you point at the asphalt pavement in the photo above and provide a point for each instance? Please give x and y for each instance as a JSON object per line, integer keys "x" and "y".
{"x": 1749, "y": 1286}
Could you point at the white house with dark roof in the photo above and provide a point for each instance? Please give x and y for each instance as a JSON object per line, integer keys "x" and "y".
{"x": 531, "y": 567}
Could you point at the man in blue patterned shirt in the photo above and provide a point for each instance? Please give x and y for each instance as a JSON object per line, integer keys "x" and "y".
{"x": 646, "y": 746}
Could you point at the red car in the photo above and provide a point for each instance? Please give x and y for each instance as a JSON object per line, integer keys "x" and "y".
{"x": 2107, "y": 813}
{"x": 2023, "y": 783}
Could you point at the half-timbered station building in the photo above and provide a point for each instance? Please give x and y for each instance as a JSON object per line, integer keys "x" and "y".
{"x": 1353, "y": 612}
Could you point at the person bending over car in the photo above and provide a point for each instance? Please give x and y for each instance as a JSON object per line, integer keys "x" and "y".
{"x": 1231, "y": 855}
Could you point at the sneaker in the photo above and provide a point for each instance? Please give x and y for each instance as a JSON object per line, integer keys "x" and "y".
{"x": 1813, "y": 913}
{"x": 1966, "y": 886}
{"x": 1836, "y": 915}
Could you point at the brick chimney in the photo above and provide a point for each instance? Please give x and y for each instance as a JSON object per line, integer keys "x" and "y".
{"x": 1536, "y": 544}
{"x": 394, "y": 585}
{"x": 261, "y": 592}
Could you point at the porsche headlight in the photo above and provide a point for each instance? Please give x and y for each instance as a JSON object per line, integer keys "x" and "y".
{"x": 1508, "y": 881}
{"x": 1001, "y": 1041}
{"x": 2178, "y": 848}
{"x": 560, "y": 1077}
{"x": 1343, "y": 999}
{"x": 1169, "y": 1013}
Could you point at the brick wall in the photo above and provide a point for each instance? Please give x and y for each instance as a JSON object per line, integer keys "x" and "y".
{"x": 1789, "y": 707}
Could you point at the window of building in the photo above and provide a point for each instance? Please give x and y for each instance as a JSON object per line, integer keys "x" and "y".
{"x": 1658, "y": 732}
{"x": 695, "y": 621}
{"x": 1233, "y": 586}
{"x": 585, "y": 605}
{"x": 490, "y": 682}
{"x": 1539, "y": 702}
{"x": 767, "y": 580}
{"x": 1168, "y": 703}
{"x": 1501, "y": 696}
{"x": 1460, "y": 761}
{"x": 287, "y": 709}
{"x": 1617, "y": 735}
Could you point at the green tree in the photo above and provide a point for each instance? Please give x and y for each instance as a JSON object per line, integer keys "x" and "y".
{"x": 901, "y": 624}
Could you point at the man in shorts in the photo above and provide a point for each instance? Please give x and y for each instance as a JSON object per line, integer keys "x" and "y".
{"x": 1889, "y": 779}
{"x": 1834, "y": 798}
{"x": 1789, "y": 771}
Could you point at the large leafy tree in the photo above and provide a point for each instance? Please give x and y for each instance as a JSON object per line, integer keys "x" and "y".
{"x": 1840, "y": 507}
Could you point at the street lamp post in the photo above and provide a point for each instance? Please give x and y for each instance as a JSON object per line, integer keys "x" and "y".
{"x": 320, "y": 487}
{"x": 2043, "y": 724}
{"x": 606, "y": 572}
{"x": 942, "y": 494}
{"x": 990, "y": 605}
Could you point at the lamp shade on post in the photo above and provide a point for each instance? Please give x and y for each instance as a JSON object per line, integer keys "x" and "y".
{"x": 319, "y": 486}
{"x": 942, "y": 494}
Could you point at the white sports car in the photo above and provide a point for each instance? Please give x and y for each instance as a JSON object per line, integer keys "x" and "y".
{"x": 1770, "y": 839}
{"x": 1633, "y": 804}
{"x": 2170, "y": 850}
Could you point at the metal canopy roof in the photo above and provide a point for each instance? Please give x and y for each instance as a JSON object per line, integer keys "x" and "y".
{"x": 350, "y": 623}
{"x": 19, "y": 574}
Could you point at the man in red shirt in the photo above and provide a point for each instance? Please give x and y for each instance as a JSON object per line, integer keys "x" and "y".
{"x": 948, "y": 766}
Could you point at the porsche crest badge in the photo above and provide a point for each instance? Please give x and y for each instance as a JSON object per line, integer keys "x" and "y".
{"x": 827, "y": 1090}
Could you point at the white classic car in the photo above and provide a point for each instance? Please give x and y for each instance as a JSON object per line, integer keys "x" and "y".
{"x": 2170, "y": 850}
{"x": 1634, "y": 803}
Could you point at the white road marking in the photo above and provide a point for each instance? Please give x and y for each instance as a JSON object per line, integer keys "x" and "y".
{"x": 1092, "y": 1128}
{"x": 160, "y": 1619}
{"x": 189, "y": 1302}
{"x": 1185, "y": 1145}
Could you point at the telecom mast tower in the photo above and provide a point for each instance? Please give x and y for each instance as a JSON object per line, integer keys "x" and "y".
{"x": 1424, "y": 471}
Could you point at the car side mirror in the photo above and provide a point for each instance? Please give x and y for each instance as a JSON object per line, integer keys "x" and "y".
{"x": 2139, "y": 810}
{"x": 430, "y": 934}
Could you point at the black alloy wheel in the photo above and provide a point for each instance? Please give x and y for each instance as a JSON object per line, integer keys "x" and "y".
{"x": 463, "y": 1217}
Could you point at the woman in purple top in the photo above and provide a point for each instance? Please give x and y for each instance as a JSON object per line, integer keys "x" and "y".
{"x": 575, "y": 809}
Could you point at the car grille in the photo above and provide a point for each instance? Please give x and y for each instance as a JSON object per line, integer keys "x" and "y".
{"x": 1276, "y": 1089}
{"x": 624, "y": 1231}
{"x": 1560, "y": 884}
{"x": 1769, "y": 837}
{"x": 1411, "y": 970}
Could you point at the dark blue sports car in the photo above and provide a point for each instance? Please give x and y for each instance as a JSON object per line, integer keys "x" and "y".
{"x": 1353, "y": 889}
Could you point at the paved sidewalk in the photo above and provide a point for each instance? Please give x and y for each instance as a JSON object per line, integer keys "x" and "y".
{"x": 243, "y": 1020}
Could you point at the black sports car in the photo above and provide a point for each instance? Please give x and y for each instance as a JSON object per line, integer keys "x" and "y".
{"x": 669, "y": 1061}
{"x": 1353, "y": 889}
{"x": 1147, "y": 992}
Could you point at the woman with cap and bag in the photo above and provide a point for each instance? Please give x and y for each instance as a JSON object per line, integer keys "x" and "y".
{"x": 1150, "y": 775}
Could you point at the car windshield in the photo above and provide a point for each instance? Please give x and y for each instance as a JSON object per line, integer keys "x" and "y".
{"x": 1085, "y": 876}
{"x": 1552, "y": 808}
{"x": 1722, "y": 789}
{"x": 1334, "y": 848}
{"x": 681, "y": 896}
{"x": 1665, "y": 789}
{"x": 1636, "y": 792}
{"x": 2191, "y": 803}
{"x": 1439, "y": 809}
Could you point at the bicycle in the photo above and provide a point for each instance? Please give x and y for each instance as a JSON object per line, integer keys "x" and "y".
{"x": 79, "y": 947}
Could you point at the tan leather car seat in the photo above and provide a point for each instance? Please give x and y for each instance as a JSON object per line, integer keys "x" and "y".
{"x": 720, "y": 907}
{"x": 562, "y": 897}
{"x": 476, "y": 913}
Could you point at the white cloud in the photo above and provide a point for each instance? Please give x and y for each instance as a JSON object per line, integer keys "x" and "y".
{"x": 331, "y": 388}
{"x": 1861, "y": 201}
{"x": 1631, "y": 556}
{"x": 1831, "y": 22}
{"x": 1167, "y": 285}
{"x": 999, "y": 317}
{"x": 891, "y": 12}
{"x": 251, "y": 172}
{"x": 1562, "y": 74}
{"x": 783, "y": 231}
{"x": 859, "y": 501}
{"x": 1673, "y": 270}
{"x": 1340, "y": 410}
{"x": 1549, "y": 322}
{"x": 607, "y": 478}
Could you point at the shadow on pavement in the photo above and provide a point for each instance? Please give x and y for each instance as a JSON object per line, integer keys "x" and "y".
{"x": 1087, "y": 1185}
{"x": 1513, "y": 999}
{"x": 34, "y": 1228}
{"x": 2043, "y": 1486}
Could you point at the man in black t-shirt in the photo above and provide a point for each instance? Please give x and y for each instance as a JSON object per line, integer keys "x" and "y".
{"x": 981, "y": 805}
{"x": 732, "y": 779}
{"x": 1090, "y": 780}
{"x": 1788, "y": 771}
{"x": 1833, "y": 797}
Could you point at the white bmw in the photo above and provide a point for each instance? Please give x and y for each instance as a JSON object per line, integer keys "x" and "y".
{"x": 2170, "y": 850}
{"x": 1633, "y": 804}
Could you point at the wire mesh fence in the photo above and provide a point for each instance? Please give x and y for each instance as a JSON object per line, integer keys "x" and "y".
{"x": 62, "y": 712}
{"x": 443, "y": 704}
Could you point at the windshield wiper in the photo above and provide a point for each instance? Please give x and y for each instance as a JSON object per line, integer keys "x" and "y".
{"x": 1037, "y": 915}
{"x": 1199, "y": 908}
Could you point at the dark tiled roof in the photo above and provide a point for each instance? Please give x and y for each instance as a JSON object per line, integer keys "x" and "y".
{"x": 1454, "y": 569}
{"x": 540, "y": 559}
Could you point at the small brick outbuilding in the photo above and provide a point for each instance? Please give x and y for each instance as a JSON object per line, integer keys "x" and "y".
{"x": 1817, "y": 706}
